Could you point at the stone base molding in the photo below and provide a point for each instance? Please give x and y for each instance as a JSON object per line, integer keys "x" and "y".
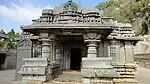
{"x": 36, "y": 69}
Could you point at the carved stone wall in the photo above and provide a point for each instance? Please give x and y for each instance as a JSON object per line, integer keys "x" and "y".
{"x": 24, "y": 50}
{"x": 109, "y": 57}
{"x": 142, "y": 52}
{"x": 104, "y": 49}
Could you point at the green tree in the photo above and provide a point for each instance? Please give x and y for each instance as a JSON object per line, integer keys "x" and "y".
{"x": 128, "y": 10}
{"x": 12, "y": 36}
{"x": 2, "y": 43}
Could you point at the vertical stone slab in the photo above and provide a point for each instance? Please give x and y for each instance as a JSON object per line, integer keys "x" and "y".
{"x": 58, "y": 53}
{"x": 117, "y": 51}
{"x": 113, "y": 50}
{"x": 122, "y": 53}
{"x": 22, "y": 52}
{"x": 129, "y": 52}
{"x": 106, "y": 51}
{"x": 100, "y": 50}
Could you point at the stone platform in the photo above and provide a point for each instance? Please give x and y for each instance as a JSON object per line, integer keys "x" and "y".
{"x": 70, "y": 77}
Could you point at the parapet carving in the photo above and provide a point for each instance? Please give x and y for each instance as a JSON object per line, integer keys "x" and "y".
{"x": 123, "y": 31}
{"x": 70, "y": 7}
{"x": 71, "y": 12}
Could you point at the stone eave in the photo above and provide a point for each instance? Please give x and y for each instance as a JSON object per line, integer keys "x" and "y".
{"x": 126, "y": 38}
{"x": 67, "y": 26}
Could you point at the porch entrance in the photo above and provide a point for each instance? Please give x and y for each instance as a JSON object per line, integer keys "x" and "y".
{"x": 75, "y": 59}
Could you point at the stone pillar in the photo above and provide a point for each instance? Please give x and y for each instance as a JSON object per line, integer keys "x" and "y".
{"x": 39, "y": 50}
{"x": 96, "y": 70}
{"x": 129, "y": 52}
{"x": 115, "y": 51}
{"x": 58, "y": 53}
{"x": 45, "y": 48}
{"x": 92, "y": 49}
{"x": 33, "y": 54}
{"x": 122, "y": 54}
{"x": 47, "y": 40}
{"x": 92, "y": 39}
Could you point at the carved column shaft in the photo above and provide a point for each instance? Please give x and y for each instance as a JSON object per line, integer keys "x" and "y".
{"x": 115, "y": 50}
{"x": 92, "y": 39}
{"x": 58, "y": 53}
{"x": 92, "y": 50}
{"x": 45, "y": 48}
{"x": 39, "y": 50}
{"x": 47, "y": 40}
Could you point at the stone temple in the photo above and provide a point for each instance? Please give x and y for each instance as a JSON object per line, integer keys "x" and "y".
{"x": 73, "y": 38}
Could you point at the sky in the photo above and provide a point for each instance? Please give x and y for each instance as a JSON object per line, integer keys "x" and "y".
{"x": 14, "y": 13}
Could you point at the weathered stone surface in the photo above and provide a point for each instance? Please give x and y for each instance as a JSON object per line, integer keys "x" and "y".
{"x": 88, "y": 73}
{"x": 142, "y": 52}
{"x": 100, "y": 62}
{"x": 22, "y": 52}
{"x": 37, "y": 66}
{"x": 72, "y": 26}
{"x": 86, "y": 81}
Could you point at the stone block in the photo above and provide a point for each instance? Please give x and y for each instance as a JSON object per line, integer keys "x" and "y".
{"x": 102, "y": 81}
{"x": 106, "y": 73}
{"x": 88, "y": 73}
{"x": 86, "y": 81}
{"x": 99, "y": 62}
{"x": 124, "y": 81}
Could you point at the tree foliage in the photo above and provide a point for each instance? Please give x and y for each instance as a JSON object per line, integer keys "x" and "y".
{"x": 12, "y": 36}
{"x": 2, "y": 43}
{"x": 128, "y": 10}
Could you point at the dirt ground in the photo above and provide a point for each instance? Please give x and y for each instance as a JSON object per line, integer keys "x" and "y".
{"x": 71, "y": 77}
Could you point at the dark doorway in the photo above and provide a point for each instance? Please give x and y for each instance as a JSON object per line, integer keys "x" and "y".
{"x": 2, "y": 61}
{"x": 75, "y": 59}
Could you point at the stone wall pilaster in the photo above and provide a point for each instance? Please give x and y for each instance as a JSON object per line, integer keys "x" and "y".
{"x": 45, "y": 48}
{"x": 115, "y": 51}
{"x": 129, "y": 52}
{"x": 126, "y": 66}
{"x": 58, "y": 53}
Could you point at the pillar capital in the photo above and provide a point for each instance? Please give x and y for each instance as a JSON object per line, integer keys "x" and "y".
{"x": 92, "y": 38}
{"x": 47, "y": 37}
